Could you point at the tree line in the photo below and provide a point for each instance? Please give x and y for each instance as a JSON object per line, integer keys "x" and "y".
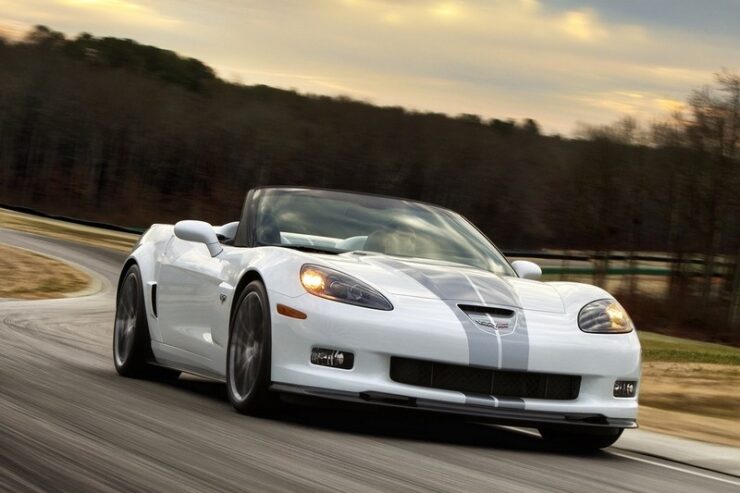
{"x": 108, "y": 129}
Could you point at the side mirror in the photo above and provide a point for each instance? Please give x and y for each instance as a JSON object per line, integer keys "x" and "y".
{"x": 526, "y": 269}
{"x": 200, "y": 232}
{"x": 227, "y": 232}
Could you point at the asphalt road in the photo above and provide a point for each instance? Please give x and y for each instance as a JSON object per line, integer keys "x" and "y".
{"x": 68, "y": 422}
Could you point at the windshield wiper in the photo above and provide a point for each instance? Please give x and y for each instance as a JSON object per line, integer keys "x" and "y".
{"x": 306, "y": 248}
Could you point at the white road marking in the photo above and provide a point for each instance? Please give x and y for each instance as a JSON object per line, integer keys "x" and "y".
{"x": 640, "y": 459}
{"x": 676, "y": 468}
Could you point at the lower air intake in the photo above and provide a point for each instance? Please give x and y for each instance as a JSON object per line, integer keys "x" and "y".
{"x": 497, "y": 383}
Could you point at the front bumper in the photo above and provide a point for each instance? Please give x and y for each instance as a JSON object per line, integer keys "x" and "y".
{"x": 426, "y": 330}
{"x": 499, "y": 415}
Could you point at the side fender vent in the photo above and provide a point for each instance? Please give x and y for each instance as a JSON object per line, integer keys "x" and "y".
{"x": 154, "y": 299}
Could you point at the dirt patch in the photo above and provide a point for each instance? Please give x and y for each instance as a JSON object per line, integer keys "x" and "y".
{"x": 31, "y": 276}
{"x": 693, "y": 400}
{"x": 693, "y": 426}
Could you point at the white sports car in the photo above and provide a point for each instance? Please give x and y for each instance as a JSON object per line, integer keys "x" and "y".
{"x": 379, "y": 300}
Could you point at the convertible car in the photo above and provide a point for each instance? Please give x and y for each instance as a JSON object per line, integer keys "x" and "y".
{"x": 376, "y": 300}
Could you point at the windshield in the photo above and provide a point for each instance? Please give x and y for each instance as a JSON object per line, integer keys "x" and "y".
{"x": 339, "y": 222}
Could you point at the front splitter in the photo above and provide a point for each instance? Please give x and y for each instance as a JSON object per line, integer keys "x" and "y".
{"x": 500, "y": 415}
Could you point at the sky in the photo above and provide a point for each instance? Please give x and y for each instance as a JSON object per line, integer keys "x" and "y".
{"x": 559, "y": 61}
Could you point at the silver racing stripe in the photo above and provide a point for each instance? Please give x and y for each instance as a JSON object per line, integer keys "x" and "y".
{"x": 494, "y": 332}
{"x": 482, "y": 347}
{"x": 486, "y": 349}
{"x": 513, "y": 349}
{"x": 491, "y": 401}
{"x": 492, "y": 290}
{"x": 514, "y": 346}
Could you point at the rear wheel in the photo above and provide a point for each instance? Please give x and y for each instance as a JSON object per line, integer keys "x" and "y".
{"x": 132, "y": 351}
{"x": 248, "y": 358}
{"x": 578, "y": 439}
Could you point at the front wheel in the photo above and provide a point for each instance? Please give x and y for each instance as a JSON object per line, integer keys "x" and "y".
{"x": 132, "y": 353}
{"x": 248, "y": 356}
{"x": 575, "y": 439}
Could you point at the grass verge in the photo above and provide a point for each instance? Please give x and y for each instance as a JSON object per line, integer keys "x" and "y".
{"x": 32, "y": 276}
{"x": 658, "y": 347}
{"x": 86, "y": 235}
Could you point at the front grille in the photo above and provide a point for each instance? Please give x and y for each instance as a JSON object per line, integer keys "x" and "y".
{"x": 497, "y": 383}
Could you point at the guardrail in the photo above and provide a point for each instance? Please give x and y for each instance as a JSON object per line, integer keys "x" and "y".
{"x": 590, "y": 257}
{"x": 530, "y": 254}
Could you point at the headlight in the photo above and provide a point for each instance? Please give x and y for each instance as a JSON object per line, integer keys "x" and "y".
{"x": 334, "y": 285}
{"x": 605, "y": 317}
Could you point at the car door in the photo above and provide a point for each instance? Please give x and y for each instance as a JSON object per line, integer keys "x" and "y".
{"x": 189, "y": 298}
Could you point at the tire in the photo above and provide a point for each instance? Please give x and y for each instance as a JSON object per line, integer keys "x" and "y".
{"x": 575, "y": 439}
{"x": 132, "y": 351}
{"x": 248, "y": 355}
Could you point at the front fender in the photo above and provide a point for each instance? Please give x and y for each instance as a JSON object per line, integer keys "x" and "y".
{"x": 576, "y": 295}
{"x": 147, "y": 254}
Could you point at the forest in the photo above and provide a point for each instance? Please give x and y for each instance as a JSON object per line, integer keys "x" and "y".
{"x": 108, "y": 129}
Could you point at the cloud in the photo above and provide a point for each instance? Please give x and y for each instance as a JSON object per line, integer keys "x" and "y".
{"x": 85, "y": 15}
{"x": 123, "y": 10}
{"x": 12, "y": 29}
{"x": 448, "y": 11}
{"x": 645, "y": 105}
{"x": 583, "y": 25}
{"x": 557, "y": 61}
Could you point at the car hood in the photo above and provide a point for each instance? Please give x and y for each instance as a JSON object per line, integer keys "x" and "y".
{"x": 424, "y": 278}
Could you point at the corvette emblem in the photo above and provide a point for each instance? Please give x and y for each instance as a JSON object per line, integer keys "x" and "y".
{"x": 493, "y": 324}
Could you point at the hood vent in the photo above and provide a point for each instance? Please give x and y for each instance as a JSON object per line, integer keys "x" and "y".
{"x": 491, "y": 319}
{"x": 496, "y": 312}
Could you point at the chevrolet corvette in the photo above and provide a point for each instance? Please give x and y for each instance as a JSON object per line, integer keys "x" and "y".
{"x": 375, "y": 300}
